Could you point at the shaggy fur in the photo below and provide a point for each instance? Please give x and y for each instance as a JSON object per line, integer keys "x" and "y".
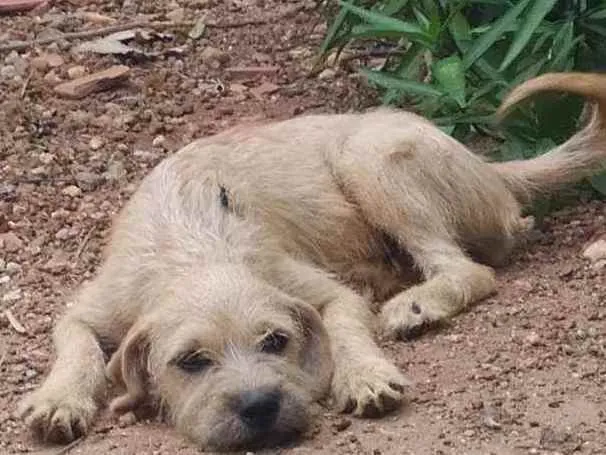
{"x": 237, "y": 283}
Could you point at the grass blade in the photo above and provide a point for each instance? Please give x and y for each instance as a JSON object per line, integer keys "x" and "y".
{"x": 333, "y": 31}
{"x": 387, "y": 23}
{"x": 535, "y": 16}
{"x": 407, "y": 86}
{"x": 486, "y": 41}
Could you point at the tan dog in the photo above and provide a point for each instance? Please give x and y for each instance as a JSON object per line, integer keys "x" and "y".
{"x": 233, "y": 287}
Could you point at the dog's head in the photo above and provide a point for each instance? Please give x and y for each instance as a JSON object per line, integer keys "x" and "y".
{"x": 237, "y": 362}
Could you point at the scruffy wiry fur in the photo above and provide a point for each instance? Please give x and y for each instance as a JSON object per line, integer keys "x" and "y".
{"x": 237, "y": 283}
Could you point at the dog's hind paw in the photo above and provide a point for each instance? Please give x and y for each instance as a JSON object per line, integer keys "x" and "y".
{"x": 370, "y": 388}
{"x": 57, "y": 419}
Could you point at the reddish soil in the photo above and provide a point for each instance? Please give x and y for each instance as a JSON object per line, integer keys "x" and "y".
{"x": 520, "y": 373}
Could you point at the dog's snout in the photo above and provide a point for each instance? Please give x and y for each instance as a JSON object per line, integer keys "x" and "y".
{"x": 259, "y": 409}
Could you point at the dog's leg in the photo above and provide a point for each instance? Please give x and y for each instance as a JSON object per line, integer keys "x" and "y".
{"x": 62, "y": 409}
{"x": 422, "y": 207}
{"x": 364, "y": 381}
{"x": 452, "y": 283}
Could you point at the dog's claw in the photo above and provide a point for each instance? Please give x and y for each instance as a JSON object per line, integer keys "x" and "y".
{"x": 57, "y": 420}
{"x": 403, "y": 320}
{"x": 371, "y": 389}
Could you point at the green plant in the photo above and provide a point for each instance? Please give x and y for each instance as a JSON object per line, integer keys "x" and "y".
{"x": 454, "y": 60}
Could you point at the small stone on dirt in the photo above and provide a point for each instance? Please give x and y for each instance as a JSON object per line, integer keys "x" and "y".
{"x": 341, "y": 425}
{"x": 533, "y": 339}
{"x": 596, "y": 251}
{"x": 12, "y": 296}
{"x": 126, "y": 420}
{"x": 76, "y": 71}
{"x": 213, "y": 55}
{"x": 95, "y": 143}
{"x": 72, "y": 191}
{"x": 159, "y": 141}
{"x": 10, "y": 243}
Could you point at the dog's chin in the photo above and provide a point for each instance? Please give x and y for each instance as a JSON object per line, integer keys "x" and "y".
{"x": 229, "y": 433}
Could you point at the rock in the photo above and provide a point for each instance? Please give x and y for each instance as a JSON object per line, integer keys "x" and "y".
{"x": 18, "y": 62}
{"x": 8, "y": 72}
{"x": 14, "y": 6}
{"x": 66, "y": 233}
{"x": 176, "y": 15}
{"x": 115, "y": 171}
{"x": 341, "y": 425}
{"x": 533, "y": 339}
{"x": 59, "y": 263}
{"x": 126, "y": 420}
{"x": 596, "y": 251}
{"x": 214, "y": 56}
{"x": 95, "y": 143}
{"x": 88, "y": 181}
{"x": 45, "y": 62}
{"x": 12, "y": 296}
{"x": 52, "y": 78}
{"x": 76, "y": 72}
{"x": 46, "y": 158}
{"x": 159, "y": 141}
{"x": 12, "y": 268}
{"x": 10, "y": 243}
{"x": 327, "y": 75}
{"x": 96, "y": 82}
{"x": 72, "y": 191}
{"x": 266, "y": 88}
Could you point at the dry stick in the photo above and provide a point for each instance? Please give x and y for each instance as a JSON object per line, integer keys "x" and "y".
{"x": 82, "y": 246}
{"x": 69, "y": 447}
{"x": 21, "y": 45}
{"x": 25, "y": 84}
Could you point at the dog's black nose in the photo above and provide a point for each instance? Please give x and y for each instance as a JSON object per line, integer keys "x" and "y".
{"x": 259, "y": 409}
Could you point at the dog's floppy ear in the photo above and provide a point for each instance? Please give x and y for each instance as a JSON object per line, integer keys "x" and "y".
{"x": 316, "y": 358}
{"x": 129, "y": 367}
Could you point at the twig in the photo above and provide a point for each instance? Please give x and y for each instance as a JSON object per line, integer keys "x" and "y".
{"x": 82, "y": 246}
{"x": 69, "y": 447}
{"x": 21, "y": 45}
{"x": 14, "y": 322}
{"x": 25, "y": 84}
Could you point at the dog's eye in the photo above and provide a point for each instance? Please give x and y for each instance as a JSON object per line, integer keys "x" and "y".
{"x": 194, "y": 362}
{"x": 274, "y": 342}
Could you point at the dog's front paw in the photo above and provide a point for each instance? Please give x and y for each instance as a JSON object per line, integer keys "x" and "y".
{"x": 408, "y": 315}
{"x": 368, "y": 388}
{"x": 57, "y": 417}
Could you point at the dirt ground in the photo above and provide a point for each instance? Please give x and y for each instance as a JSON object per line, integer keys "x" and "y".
{"x": 521, "y": 373}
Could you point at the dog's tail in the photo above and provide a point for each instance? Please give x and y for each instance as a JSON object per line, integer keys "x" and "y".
{"x": 580, "y": 156}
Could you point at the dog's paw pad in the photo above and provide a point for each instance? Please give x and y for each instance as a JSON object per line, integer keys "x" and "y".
{"x": 408, "y": 320}
{"x": 371, "y": 390}
{"x": 55, "y": 420}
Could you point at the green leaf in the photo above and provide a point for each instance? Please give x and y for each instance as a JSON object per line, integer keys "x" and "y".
{"x": 407, "y": 86}
{"x": 333, "y": 31}
{"x": 598, "y": 15}
{"x": 459, "y": 29}
{"x": 408, "y": 68}
{"x": 393, "y": 7}
{"x": 564, "y": 57}
{"x": 533, "y": 19}
{"x": 386, "y": 23}
{"x": 598, "y": 182}
{"x": 487, "y": 40}
{"x": 450, "y": 76}
{"x": 370, "y": 31}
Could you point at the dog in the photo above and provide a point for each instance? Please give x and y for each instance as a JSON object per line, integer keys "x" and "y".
{"x": 237, "y": 286}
